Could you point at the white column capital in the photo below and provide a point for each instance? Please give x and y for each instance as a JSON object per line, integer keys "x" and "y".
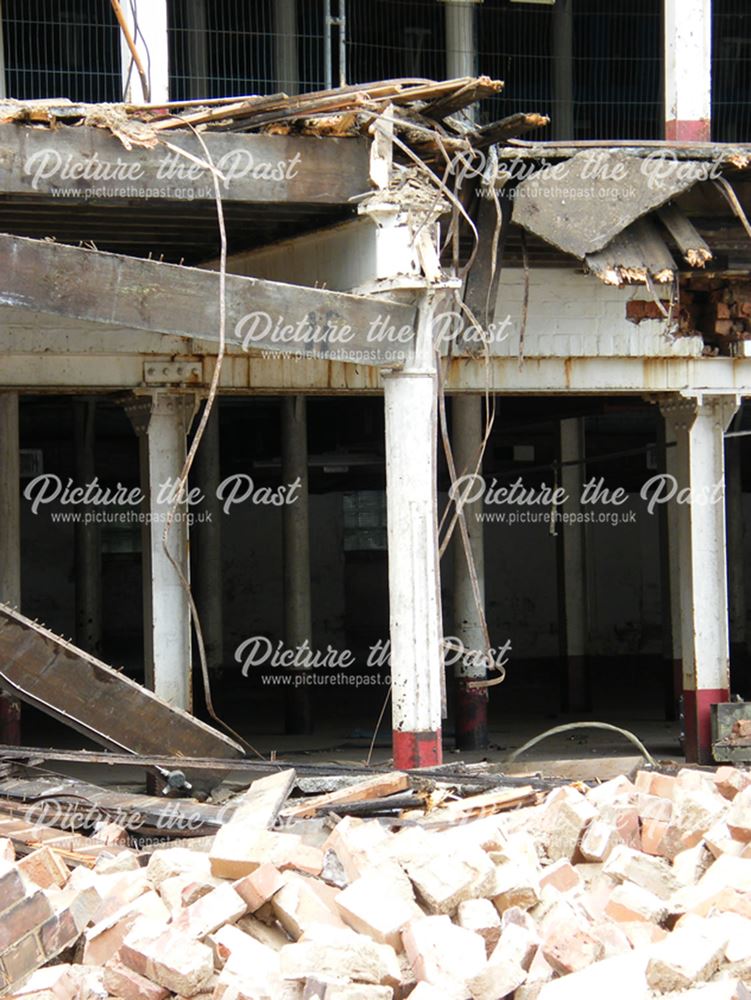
{"x": 142, "y": 408}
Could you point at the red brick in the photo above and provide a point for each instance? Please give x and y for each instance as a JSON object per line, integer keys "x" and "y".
{"x": 12, "y": 886}
{"x": 59, "y": 933}
{"x": 44, "y": 868}
{"x": 24, "y": 917}
{"x": 652, "y": 835}
{"x": 258, "y": 887}
{"x": 24, "y": 957}
{"x": 124, "y": 983}
{"x": 561, "y": 875}
{"x": 174, "y": 961}
{"x": 220, "y": 906}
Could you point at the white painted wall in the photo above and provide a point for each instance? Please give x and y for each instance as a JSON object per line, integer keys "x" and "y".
{"x": 571, "y": 313}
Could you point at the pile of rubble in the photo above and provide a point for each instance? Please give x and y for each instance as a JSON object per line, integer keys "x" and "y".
{"x": 625, "y": 890}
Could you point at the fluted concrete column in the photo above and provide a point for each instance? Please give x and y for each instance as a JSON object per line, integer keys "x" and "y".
{"x": 576, "y": 693}
{"x": 688, "y": 70}
{"x": 285, "y": 46}
{"x": 298, "y": 626}
{"x": 471, "y": 703}
{"x": 207, "y": 542}
{"x": 414, "y": 604}
{"x": 10, "y": 543}
{"x": 88, "y": 535}
{"x": 162, "y": 421}
{"x": 698, "y": 427}
{"x": 736, "y": 568}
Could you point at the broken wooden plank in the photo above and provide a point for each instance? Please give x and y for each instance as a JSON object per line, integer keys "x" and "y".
{"x": 67, "y": 683}
{"x": 635, "y": 256}
{"x": 464, "y": 95}
{"x": 580, "y": 205}
{"x": 73, "y": 804}
{"x": 260, "y": 804}
{"x": 694, "y": 248}
{"x": 75, "y": 849}
{"x": 89, "y": 164}
{"x": 485, "y": 804}
{"x": 265, "y": 316}
{"x": 507, "y": 128}
{"x": 377, "y": 787}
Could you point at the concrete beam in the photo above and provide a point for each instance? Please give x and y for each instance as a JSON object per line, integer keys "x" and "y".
{"x": 92, "y": 165}
{"x": 262, "y": 316}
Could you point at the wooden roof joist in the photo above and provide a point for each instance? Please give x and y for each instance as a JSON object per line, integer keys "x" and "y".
{"x": 262, "y": 316}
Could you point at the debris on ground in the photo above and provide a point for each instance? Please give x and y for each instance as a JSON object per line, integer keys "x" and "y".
{"x": 629, "y": 888}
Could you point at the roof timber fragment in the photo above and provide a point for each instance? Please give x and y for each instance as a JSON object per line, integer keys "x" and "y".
{"x": 636, "y": 255}
{"x": 262, "y": 316}
{"x": 694, "y": 248}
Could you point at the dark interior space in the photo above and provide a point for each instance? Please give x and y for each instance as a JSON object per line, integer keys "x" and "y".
{"x": 628, "y": 670}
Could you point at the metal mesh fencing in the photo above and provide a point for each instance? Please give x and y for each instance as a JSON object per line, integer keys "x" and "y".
{"x": 61, "y": 48}
{"x": 607, "y": 84}
{"x": 731, "y": 70}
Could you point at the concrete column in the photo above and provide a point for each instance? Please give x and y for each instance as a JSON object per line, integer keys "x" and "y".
{"x": 688, "y": 70}
{"x": 152, "y": 46}
{"x": 698, "y": 426}
{"x": 285, "y": 46}
{"x": 162, "y": 421}
{"x": 10, "y": 543}
{"x": 671, "y": 587}
{"x": 414, "y": 605}
{"x": 572, "y": 605}
{"x": 461, "y": 38}
{"x": 207, "y": 542}
{"x": 736, "y": 567}
{"x": 196, "y": 36}
{"x": 562, "y": 23}
{"x": 3, "y": 85}
{"x": 298, "y": 626}
{"x": 471, "y": 703}
{"x": 88, "y": 547}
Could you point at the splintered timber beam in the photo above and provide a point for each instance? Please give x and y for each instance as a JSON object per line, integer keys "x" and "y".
{"x": 262, "y": 316}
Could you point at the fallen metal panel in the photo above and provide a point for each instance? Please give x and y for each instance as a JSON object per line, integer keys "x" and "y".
{"x": 581, "y": 204}
{"x": 262, "y": 316}
{"x": 67, "y": 683}
{"x": 637, "y": 255}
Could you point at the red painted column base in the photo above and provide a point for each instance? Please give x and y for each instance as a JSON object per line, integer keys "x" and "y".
{"x": 10, "y": 720}
{"x": 471, "y": 716}
{"x": 696, "y": 131}
{"x": 698, "y": 723}
{"x": 417, "y": 749}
